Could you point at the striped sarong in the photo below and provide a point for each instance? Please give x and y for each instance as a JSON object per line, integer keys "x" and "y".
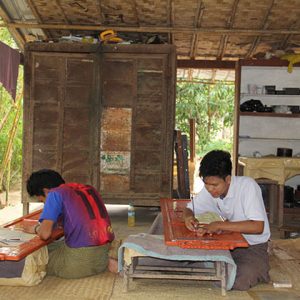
{"x": 66, "y": 262}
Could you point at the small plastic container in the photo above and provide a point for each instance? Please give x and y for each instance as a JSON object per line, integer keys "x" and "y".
{"x": 131, "y": 215}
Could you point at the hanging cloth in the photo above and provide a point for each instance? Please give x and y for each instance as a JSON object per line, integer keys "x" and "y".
{"x": 9, "y": 68}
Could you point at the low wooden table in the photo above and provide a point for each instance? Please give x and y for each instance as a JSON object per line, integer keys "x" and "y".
{"x": 18, "y": 252}
{"x": 176, "y": 233}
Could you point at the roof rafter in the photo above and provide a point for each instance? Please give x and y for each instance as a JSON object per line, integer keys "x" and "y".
{"x": 198, "y": 19}
{"x": 100, "y": 11}
{"x": 136, "y": 15}
{"x": 37, "y": 17}
{"x": 230, "y": 22}
{"x": 288, "y": 37}
{"x": 154, "y": 29}
{"x": 171, "y": 17}
{"x": 14, "y": 31}
{"x": 265, "y": 25}
{"x": 62, "y": 11}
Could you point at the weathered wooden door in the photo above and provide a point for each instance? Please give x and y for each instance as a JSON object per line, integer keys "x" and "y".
{"x": 137, "y": 122}
{"x": 59, "y": 116}
{"x": 103, "y": 117}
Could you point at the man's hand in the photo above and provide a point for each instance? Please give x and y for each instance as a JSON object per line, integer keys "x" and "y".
{"x": 191, "y": 223}
{"x": 213, "y": 227}
{"x": 29, "y": 225}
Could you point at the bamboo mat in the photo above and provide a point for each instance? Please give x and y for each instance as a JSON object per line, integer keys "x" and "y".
{"x": 284, "y": 261}
{"x": 147, "y": 289}
{"x": 97, "y": 287}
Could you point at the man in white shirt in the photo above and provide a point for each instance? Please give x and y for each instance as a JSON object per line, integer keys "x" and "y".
{"x": 238, "y": 200}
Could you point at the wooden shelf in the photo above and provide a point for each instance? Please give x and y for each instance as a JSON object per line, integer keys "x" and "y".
{"x": 269, "y": 114}
{"x": 269, "y": 95}
{"x": 292, "y": 210}
{"x": 267, "y": 138}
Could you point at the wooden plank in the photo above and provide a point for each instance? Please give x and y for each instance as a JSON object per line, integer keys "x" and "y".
{"x": 182, "y": 165}
{"x": 18, "y": 252}
{"x": 192, "y": 140}
{"x": 205, "y": 64}
{"x": 157, "y": 29}
{"x": 185, "y": 167}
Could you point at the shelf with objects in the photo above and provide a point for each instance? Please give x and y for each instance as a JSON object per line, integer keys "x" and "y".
{"x": 267, "y": 122}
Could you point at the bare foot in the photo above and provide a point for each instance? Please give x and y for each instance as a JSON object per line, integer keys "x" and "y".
{"x": 113, "y": 265}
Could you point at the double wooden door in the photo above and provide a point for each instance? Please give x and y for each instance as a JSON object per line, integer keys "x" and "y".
{"x": 102, "y": 116}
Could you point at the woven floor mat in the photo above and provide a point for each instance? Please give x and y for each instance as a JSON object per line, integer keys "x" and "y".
{"x": 97, "y": 287}
{"x": 157, "y": 289}
{"x": 275, "y": 295}
{"x": 288, "y": 249}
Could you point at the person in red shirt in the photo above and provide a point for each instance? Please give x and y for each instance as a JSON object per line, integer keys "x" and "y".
{"x": 86, "y": 223}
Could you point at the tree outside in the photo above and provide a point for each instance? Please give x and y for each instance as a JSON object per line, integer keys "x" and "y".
{"x": 212, "y": 107}
{"x": 10, "y": 128}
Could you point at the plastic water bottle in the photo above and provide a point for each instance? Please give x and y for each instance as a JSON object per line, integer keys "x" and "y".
{"x": 131, "y": 215}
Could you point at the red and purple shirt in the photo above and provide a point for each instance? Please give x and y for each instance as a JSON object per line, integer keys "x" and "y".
{"x": 82, "y": 211}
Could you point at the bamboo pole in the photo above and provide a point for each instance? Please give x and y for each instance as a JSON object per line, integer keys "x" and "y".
{"x": 9, "y": 145}
{"x": 3, "y": 121}
{"x": 7, "y": 183}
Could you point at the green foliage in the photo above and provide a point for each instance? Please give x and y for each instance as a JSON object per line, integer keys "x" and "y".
{"x": 212, "y": 108}
{"x": 8, "y": 105}
{"x": 6, "y": 38}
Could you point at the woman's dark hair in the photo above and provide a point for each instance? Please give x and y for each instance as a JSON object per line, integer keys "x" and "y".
{"x": 41, "y": 179}
{"x": 216, "y": 163}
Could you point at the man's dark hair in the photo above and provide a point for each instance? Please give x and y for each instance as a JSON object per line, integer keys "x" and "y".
{"x": 216, "y": 163}
{"x": 41, "y": 179}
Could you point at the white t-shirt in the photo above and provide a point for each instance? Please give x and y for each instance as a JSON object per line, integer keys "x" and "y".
{"x": 243, "y": 202}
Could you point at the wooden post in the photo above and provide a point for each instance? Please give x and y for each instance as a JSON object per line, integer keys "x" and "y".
{"x": 182, "y": 165}
{"x": 192, "y": 140}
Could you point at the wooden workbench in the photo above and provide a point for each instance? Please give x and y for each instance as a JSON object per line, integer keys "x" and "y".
{"x": 18, "y": 252}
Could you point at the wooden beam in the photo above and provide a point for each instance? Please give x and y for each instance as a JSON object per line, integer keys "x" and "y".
{"x": 13, "y": 31}
{"x": 136, "y": 15}
{"x": 198, "y": 19}
{"x": 190, "y": 74}
{"x": 228, "y": 82}
{"x": 222, "y": 46}
{"x": 154, "y": 29}
{"x": 61, "y": 11}
{"x": 224, "y": 39}
{"x": 288, "y": 37}
{"x": 171, "y": 17}
{"x": 285, "y": 41}
{"x": 37, "y": 16}
{"x": 214, "y": 74}
{"x": 192, "y": 139}
{"x": 205, "y": 64}
{"x": 101, "y": 15}
{"x": 264, "y": 26}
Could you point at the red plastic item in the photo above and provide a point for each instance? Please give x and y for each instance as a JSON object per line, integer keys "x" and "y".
{"x": 176, "y": 233}
{"x": 21, "y": 251}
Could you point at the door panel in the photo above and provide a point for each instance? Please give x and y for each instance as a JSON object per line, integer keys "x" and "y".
{"x": 104, "y": 117}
